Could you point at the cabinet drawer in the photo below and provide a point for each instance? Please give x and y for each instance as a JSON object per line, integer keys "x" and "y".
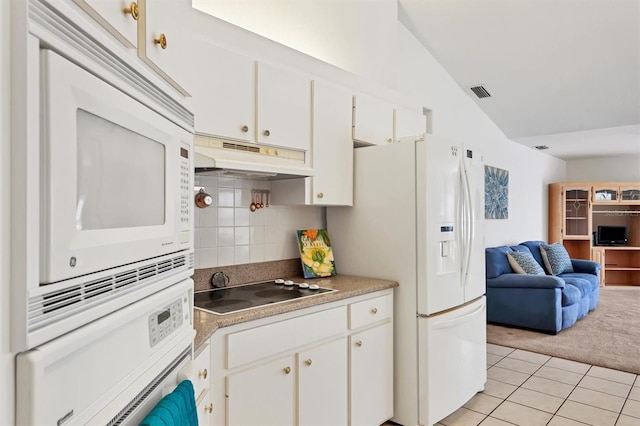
{"x": 260, "y": 342}
{"x": 201, "y": 366}
{"x": 370, "y": 311}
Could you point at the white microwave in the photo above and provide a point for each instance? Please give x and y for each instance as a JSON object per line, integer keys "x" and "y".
{"x": 115, "y": 198}
{"x": 116, "y": 185}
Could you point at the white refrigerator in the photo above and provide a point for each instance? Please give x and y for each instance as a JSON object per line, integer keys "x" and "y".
{"x": 418, "y": 218}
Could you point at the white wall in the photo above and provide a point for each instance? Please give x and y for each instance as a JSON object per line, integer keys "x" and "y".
{"x": 356, "y": 35}
{"x": 623, "y": 168}
{"x": 410, "y": 74}
{"x": 229, "y": 233}
{"x": 6, "y": 358}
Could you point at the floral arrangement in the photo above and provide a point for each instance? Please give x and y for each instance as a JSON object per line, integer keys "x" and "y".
{"x": 315, "y": 253}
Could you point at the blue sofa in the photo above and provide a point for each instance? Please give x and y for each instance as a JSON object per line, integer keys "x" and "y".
{"x": 545, "y": 303}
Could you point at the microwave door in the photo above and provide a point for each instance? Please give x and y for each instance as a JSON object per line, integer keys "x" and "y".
{"x": 114, "y": 170}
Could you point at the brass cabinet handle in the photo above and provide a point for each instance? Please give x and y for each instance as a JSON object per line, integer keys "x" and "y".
{"x": 244, "y": 128}
{"x": 133, "y": 10}
{"x": 308, "y": 362}
{"x": 266, "y": 133}
{"x": 320, "y": 194}
{"x": 374, "y": 311}
{"x": 389, "y": 140}
{"x": 208, "y": 408}
{"x": 359, "y": 343}
{"x": 287, "y": 370}
{"x": 203, "y": 374}
{"x": 161, "y": 40}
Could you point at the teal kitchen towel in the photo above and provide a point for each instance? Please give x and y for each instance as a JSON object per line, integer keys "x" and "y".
{"x": 176, "y": 409}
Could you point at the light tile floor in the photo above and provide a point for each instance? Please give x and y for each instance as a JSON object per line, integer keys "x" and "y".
{"x": 529, "y": 389}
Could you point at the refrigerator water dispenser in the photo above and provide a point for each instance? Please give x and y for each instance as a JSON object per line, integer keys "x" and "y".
{"x": 447, "y": 259}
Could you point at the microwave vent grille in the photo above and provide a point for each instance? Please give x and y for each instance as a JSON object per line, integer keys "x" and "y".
{"x": 49, "y": 308}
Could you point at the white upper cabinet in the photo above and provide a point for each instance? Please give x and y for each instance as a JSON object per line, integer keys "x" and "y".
{"x": 372, "y": 120}
{"x": 409, "y": 123}
{"x": 332, "y": 153}
{"x": 332, "y": 183}
{"x": 164, "y": 39}
{"x": 225, "y": 95}
{"x": 155, "y": 28}
{"x": 239, "y": 99}
{"x": 283, "y": 107}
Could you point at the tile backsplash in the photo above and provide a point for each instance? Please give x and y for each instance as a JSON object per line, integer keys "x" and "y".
{"x": 228, "y": 233}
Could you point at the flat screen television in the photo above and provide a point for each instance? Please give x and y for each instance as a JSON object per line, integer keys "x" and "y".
{"x": 612, "y": 236}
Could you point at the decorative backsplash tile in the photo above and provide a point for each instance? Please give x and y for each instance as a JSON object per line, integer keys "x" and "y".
{"x": 228, "y": 233}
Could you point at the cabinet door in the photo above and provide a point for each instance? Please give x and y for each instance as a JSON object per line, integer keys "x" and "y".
{"x": 205, "y": 408}
{"x": 165, "y": 44}
{"x": 605, "y": 195}
{"x": 262, "y": 395}
{"x": 372, "y": 120}
{"x": 119, "y": 17}
{"x": 332, "y": 183}
{"x": 283, "y": 108}
{"x": 224, "y": 94}
{"x": 409, "y": 123}
{"x": 597, "y": 255}
{"x": 577, "y": 213}
{"x": 371, "y": 375}
{"x": 630, "y": 195}
{"x": 322, "y": 385}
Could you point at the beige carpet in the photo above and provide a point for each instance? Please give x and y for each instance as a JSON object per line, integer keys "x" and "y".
{"x": 609, "y": 336}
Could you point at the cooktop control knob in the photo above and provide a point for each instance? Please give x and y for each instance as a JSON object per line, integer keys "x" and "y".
{"x": 303, "y": 285}
{"x": 313, "y": 286}
{"x": 288, "y": 282}
{"x": 279, "y": 281}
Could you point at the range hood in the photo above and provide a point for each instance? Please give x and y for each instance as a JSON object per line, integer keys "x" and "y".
{"x": 214, "y": 156}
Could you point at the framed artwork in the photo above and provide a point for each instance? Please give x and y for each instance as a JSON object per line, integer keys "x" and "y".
{"x": 496, "y": 193}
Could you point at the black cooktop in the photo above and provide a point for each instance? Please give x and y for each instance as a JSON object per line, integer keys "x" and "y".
{"x": 232, "y": 299}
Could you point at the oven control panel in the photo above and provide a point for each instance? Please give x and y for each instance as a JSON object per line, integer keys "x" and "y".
{"x": 162, "y": 323}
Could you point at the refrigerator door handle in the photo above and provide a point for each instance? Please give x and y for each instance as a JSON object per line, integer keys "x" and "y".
{"x": 468, "y": 225}
{"x": 455, "y": 321}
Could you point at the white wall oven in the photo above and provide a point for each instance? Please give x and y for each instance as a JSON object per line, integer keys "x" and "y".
{"x": 112, "y": 371}
{"x": 106, "y": 165}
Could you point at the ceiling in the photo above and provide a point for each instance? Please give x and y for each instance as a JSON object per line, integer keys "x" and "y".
{"x": 561, "y": 73}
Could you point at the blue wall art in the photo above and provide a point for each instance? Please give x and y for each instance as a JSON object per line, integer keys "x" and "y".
{"x": 496, "y": 193}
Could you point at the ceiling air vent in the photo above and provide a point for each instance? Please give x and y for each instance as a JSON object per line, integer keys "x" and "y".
{"x": 541, "y": 147}
{"x": 480, "y": 91}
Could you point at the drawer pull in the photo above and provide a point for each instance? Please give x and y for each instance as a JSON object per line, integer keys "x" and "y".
{"x": 308, "y": 362}
{"x": 208, "y": 408}
{"x": 133, "y": 10}
{"x": 287, "y": 370}
{"x": 374, "y": 311}
{"x": 244, "y": 128}
{"x": 266, "y": 133}
{"x": 203, "y": 374}
{"x": 161, "y": 40}
{"x": 359, "y": 343}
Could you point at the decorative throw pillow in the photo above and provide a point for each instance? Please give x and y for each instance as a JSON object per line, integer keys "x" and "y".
{"x": 555, "y": 258}
{"x": 522, "y": 262}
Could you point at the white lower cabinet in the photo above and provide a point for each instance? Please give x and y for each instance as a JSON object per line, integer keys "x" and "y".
{"x": 262, "y": 395}
{"x": 302, "y": 368}
{"x": 371, "y": 375}
{"x": 322, "y": 384}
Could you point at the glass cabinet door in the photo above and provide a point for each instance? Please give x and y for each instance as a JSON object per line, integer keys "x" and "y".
{"x": 606, "y": 195}
{"x": 630, "y": 195}
{"x": 577, "y": 218}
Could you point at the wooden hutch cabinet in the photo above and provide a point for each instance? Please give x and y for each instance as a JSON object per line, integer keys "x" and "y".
{"x": 577, "y": 209}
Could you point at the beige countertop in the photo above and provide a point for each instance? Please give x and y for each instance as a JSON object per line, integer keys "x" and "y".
{"x": 206, "y": 323}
